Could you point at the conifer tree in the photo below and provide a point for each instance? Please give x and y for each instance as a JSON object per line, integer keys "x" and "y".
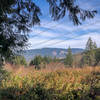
{"x": 97, "y": 56}
{"x": 89, "y": 54}
{"x": 90, "y": 45}
{"x": 47, "y": 59}
{"x": 37, "y": 61}
{"x": 19, "y": 60}
{"x": 69, "y": 58}
{"x": 95, "y": 45}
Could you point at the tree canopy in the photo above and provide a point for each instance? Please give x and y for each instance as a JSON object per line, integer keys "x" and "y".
{"x": 59, "y": 8}
{"x": 16, "y": 18}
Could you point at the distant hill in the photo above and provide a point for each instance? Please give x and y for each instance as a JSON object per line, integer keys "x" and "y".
{"x": 58, "y": 52}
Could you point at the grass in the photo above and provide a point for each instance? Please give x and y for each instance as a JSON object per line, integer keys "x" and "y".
{"x": 46, "y": 84}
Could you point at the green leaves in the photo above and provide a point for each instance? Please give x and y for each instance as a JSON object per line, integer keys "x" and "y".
{"x": 60, "y": 8}
{"x": 89, "y": 54}
{"x": 70, "y": 84}
{"x": 16, "y": 18}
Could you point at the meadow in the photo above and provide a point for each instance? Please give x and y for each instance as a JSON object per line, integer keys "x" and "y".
{"x": 48, "y": 84}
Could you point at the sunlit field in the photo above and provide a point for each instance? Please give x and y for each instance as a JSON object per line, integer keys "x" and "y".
{"x": 49, "y": 49}
{"x": 47, "y": 84}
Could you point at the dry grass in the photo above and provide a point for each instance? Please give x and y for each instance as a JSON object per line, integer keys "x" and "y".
{"x": 51, "y": 82}
{"x": 52, "y": 67}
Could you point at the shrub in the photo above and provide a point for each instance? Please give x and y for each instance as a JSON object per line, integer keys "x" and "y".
{"x": 36, "y": 61}
{"x": 67, "y": 84}
{"x": 47, "y": 59}
{"x": 19, "y": 60}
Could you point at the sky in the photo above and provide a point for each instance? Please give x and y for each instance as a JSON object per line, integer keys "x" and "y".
{"x": 63, "y": 33}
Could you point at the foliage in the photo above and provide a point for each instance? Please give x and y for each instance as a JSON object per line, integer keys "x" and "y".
{"x": 37, "y": 61}
{"x": 16, "y": 18}
{"x": 97, "y": 56}
{"x": 1, "y": 62}
{"x": 89, "y": 54}
{"x": 41, "y": 62}
{"x": 47, "y": 59}
{"x": 58, "y": 10}
{"x": 55, "y": 59}
{"x": 69, "y": 58}
{"x": 66, "y": 84}
{"x": 90, "y": 45}
{"x": 19, "y": 60}
{"x": 3, "y": 74}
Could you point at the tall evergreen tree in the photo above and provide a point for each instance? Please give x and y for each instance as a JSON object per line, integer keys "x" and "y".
{"x": 95, "y": 45}
{"x": 97, "y": 56}
{"x": 69, "y": 58}
{"x": 89, "y": 54}
{"x": 90, "y": 45}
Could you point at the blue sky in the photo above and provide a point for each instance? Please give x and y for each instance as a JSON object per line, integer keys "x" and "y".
{"x": 62, "y": 33}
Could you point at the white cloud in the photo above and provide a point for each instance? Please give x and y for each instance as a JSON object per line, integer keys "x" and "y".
{"x": 42, "y": 33}
{"x": 60, "y": 31}
{"x": 68, "y": 29}
{"x": 77, "y": 42}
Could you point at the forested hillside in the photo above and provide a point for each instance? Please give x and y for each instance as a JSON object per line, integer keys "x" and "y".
{"x": 52, "y": 52}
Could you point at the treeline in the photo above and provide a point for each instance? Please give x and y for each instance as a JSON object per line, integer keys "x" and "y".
{"x": 41, "y": 62}
{"x": 15, "y": 60}
{"x": 90, "y": 57}
{"x": 38, "y": 62}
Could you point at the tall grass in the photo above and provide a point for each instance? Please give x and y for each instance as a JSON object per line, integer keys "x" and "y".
{"x": 59, "y": 84}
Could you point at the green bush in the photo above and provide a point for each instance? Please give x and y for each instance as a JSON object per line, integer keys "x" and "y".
{"x": 19, "y": 60}
{"x": 58, "y": 85}
{"x": 47, "y": 59}
{"x": 40, "y": 62}
{"x": 3, "y": 74}
{"x": 36, "y": 61}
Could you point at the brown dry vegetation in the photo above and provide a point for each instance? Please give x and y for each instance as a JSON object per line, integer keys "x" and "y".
{"x": 55, "y": 82}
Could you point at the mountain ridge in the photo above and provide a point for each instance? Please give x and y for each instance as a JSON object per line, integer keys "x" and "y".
{"x": 52, "y": 52}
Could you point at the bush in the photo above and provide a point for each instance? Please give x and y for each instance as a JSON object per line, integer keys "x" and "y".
{"x": 47, "y": 59}
{"x": 3, "y": 74}
{"x": 40, "y": 62}
{"x": 36, "y": 61}
{"x": 69, "y": 84}
{"x": 19, "y": 60}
